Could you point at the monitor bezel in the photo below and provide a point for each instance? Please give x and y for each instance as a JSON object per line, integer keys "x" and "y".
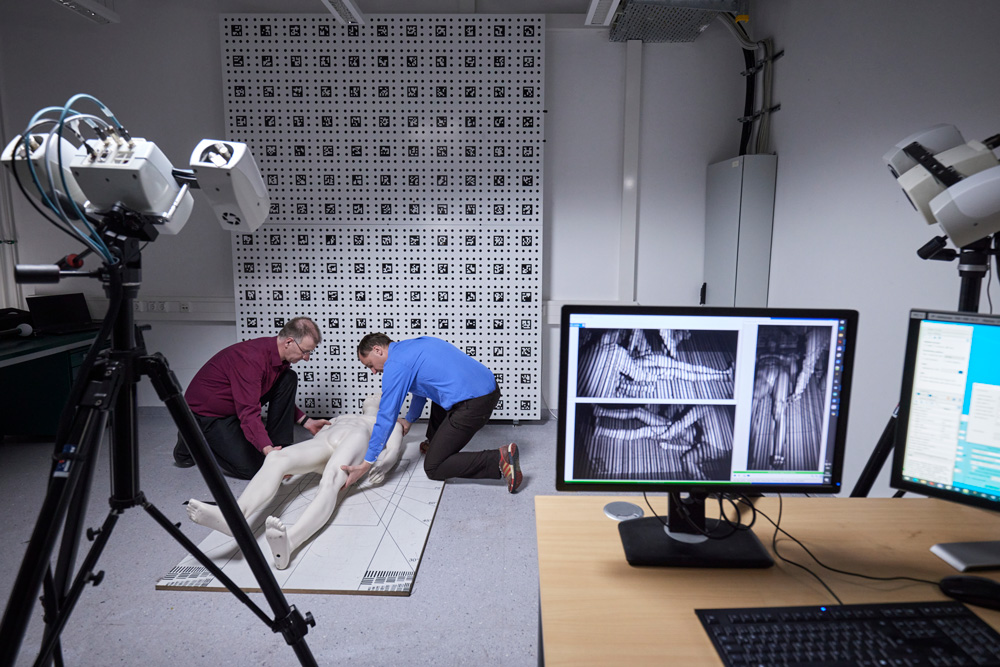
{"x": 850, "y": 317}
{"x": 896, "y": 480}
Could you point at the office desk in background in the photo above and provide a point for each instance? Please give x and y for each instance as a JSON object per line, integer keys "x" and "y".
{"x": 598, "y": 610}
{"x": 36, "y": 374}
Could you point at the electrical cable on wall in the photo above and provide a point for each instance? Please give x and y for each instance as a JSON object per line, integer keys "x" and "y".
{"x": 763, "y": 65}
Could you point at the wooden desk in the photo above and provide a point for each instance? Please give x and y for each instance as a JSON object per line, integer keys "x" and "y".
{"x": 598, "y": 610}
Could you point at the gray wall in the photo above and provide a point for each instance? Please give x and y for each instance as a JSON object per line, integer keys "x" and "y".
{"x": 856, "y": 77}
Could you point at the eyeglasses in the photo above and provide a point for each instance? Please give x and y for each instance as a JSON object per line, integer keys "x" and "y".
{"x": 305, "y": 354}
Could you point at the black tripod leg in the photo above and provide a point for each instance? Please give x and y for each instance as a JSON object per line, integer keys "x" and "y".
{"x": 84, "y": 576}
{"x": 68, "y": 473}
{"x": 288, "y": 620}
{"x": 57, "y": 583}
{"x": 883, "y": 448}
{"x": 207, "y": 562}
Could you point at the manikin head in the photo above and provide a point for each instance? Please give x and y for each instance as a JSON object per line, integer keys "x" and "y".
{"x": 370, "y": 406}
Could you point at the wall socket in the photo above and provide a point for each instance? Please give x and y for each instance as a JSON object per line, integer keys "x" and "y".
{"x": 191, "y": 309}
{"x": 156, "y": 306}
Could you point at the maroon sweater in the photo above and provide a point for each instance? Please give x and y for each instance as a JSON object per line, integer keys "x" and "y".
{"x": 233, "y": 382}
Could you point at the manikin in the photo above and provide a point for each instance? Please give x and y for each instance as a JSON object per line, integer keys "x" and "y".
{"x": 343, "y": 442}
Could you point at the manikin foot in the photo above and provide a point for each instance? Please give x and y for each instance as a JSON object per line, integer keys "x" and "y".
{"x": 208, "y": 516}
{"x": 676, "y": 446}
{"x": 277, "y": 539}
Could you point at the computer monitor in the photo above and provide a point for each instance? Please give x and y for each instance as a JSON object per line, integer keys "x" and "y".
{"x": 948, "y": 428}
{"x": 694, "y": 402}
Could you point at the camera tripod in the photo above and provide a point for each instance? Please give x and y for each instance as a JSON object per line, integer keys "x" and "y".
{"x": 103, "y": 396}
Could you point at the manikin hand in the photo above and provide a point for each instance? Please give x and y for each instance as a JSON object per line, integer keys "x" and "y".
{"x": 314, "y": 425}
{"x": 387, "y": 458}
{"x": 354, "y": 473}
{"x": 377, "y": 474}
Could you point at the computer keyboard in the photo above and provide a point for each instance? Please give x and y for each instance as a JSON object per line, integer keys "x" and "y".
{"x": 910, "y": 634}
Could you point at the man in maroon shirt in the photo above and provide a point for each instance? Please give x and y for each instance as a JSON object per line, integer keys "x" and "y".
{"x": 226, "y": 396}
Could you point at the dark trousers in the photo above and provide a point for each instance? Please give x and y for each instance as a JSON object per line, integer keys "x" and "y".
{"x": 235, "y": 454}
{"x": 450, "y": 430}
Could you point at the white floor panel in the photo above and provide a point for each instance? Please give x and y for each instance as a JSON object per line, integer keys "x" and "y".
{"x": 372, "y": 544}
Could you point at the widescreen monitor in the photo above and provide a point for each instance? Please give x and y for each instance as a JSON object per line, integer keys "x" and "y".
{"x": 698, "y": 402}
{"x": 948, "y": 429}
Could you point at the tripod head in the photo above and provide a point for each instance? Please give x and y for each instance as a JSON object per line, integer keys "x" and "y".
{"x": 973, "y": 265}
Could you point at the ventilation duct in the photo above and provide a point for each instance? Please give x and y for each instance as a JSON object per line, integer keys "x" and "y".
{"x": 667, "y": 20}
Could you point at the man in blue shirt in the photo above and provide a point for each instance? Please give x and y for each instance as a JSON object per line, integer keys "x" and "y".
{"x": 463, "y": 394}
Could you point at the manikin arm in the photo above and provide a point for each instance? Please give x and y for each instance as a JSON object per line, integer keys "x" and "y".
{"x": 817, "y": 345}
{"x": 684, "y": 421}
{"x": 389, "y": 457}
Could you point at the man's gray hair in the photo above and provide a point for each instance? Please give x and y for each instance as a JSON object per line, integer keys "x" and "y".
{"x": 298, "y": 328}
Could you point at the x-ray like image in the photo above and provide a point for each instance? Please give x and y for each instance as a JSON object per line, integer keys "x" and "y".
{"x": 789, "y": 393}
{"x": 653, "y": 442}
{"x": 653, "y": 364}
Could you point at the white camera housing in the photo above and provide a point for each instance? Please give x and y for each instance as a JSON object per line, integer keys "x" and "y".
{"x": 39, "y": 156}
{"x": 138, "y": 175}
{"x": 228, "y": 176}
{"x": 970, "y": 210}
{"x": 921, "y": 187}
{"x": 936, "y": 139}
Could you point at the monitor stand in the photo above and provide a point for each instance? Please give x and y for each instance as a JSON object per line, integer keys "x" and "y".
{"x": 648, "y": 542}
{"x": 969, "y": 556}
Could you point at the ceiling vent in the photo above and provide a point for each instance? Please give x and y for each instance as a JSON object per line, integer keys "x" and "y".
{"x": 668, "y": 20}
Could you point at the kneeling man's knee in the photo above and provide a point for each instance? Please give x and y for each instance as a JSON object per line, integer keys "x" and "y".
{"x": 432, "y": 471}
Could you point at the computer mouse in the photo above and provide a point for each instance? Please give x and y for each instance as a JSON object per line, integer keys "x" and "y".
{"x": 975, "y": 590}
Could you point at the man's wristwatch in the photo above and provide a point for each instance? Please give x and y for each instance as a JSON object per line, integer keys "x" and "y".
{"x": 302, "y": 422}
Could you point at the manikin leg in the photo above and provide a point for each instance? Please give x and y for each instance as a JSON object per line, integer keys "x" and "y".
{"x": 285, "y": 540}
{"x": 664, "y": 367}
{"x": 642, "y": 414}
{"x": 308, "y": 456}
{"x": 342, "y": 443}
{"x": 781, "y": 396}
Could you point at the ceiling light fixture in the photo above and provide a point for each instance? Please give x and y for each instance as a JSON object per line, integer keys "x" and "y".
{"x": 92, "y": 9}
{"x": 601, "y": 12}
{"x": 344, "y": 11}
